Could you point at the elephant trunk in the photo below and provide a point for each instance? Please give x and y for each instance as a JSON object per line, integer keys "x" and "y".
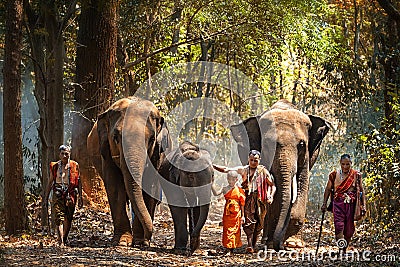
{"x": 133, "y": 187}
{"x": 288, "y": 188}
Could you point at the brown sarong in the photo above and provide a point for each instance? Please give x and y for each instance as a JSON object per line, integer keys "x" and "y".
{"x": 61, "y": 210}
{"x": 254, "y": 212}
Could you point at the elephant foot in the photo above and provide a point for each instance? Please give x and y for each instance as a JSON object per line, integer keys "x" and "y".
{"x": 180, "y": 251}
{"x": 124, "y": 240}
{"x": 267, "y": 243}
{"x": 141, "y": 243}
{"x": 263, "y": 241}
{"x": 294, "y": 242}
{"x": 194, "y": 243}
{"x": 146, "y": 243}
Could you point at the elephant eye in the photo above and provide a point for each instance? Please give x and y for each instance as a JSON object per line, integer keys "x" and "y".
{"x": 302, "y": 144}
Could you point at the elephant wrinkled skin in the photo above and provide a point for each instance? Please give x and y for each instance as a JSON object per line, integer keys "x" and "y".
{"x": 122, "y": 137}
{"x": 187, "y": 174}
{"x": 289, "y": 141}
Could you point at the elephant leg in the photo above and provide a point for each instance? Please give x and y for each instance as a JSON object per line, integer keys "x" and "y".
{"x": 115, "y": 188}
{"x": 137, "y": 231}
{"x": 179, "y": 216}
{"x": 269, "y": 226}
{"x": 268, "y": 234}
{"x": 137, "y": 228}
{"x": 194, "y": 214}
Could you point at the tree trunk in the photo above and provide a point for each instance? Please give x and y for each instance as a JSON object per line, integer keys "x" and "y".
{"x": 391, "y": 61}
{"x": 47, "y": 52}
{"x": 176, "y": 18}
{"x": 129, "y": 75}
{"x": 152, "y": 17}
{"x": 37, "y": 43}
{"x": 95, "y": 75}
{"x": 54, "y": 86}
{"x": 14, "y": 201}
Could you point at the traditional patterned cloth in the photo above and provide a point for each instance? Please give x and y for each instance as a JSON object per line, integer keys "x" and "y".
{"x": 263, "y": 179}
{"x": 344, "y": 204}
{"x": 345, "y": 185}
{"x": 235, "y": 198}
{"x": 256, "y": 196}
{"x": 64, "y": 208}
{"x": 254, "y": 211}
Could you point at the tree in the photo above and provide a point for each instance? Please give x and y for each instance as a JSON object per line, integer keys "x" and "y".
{"x": 14, "y": 202}
{"x": 95, "y": 76}
{"x": 391, "y": 60}
{"x": 45, "y": 27}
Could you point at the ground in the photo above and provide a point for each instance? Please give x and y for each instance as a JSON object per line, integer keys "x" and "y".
{"x": 92, "y": 230}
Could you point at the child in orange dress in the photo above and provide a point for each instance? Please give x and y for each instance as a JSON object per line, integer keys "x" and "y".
{"x": 233, "y": 212}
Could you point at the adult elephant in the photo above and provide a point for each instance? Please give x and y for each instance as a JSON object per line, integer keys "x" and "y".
{"x": 187, "y": 174}
{"x": 127, "y": 144}
{"x": 289, "y": 141}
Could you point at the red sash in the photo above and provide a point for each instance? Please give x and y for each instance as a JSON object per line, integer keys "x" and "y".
{"x": 264, "y": 180}
{"x": 346, "y": 184}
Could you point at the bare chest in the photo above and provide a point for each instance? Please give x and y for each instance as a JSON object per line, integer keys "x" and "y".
{"x": 62, "y": 175}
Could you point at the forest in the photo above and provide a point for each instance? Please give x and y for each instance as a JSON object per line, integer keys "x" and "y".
{"x": 205, "y": 66}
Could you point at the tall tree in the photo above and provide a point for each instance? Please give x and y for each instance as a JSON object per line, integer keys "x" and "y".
{"x": 45, "y": 27}
{"x": 95, "y": 76}
{"x": 14, "y": 202}
{"x": 391, "y": 59}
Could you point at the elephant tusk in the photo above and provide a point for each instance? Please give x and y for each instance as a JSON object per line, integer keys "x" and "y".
{"x": 294, "y": 188}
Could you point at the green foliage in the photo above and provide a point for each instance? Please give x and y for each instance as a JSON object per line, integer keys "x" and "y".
{"x": 382, "y": 171}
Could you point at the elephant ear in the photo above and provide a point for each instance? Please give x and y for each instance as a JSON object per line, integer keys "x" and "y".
{"x": 248, "y": 136}
{"x": 173, "y": 166}
{"x": 92, "y": 141}
{"x": 316, "y": 134}
{"x": 163, "y": 137}
{"x": 102, "y": 131}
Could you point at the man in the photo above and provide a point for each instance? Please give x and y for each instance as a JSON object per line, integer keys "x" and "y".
{"x": 344, "y": 183}
{"x": 66, "y": 185}
{"x": 260, "y": 189}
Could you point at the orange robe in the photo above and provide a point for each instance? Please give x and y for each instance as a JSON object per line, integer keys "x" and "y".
{"x": 231, "y": 218}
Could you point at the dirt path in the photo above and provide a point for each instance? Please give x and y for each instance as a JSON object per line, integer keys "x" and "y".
{"x": 92, "y": 230}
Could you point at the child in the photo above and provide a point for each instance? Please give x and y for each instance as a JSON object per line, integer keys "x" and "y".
{"x": 233, "y": 212}
{"x": 259, "y": 187}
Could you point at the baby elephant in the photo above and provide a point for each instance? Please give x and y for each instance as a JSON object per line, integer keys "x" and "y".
{"x": 187, "y": 174}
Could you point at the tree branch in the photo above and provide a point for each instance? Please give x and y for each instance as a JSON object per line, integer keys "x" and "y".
{"x": 191, "y": 41}
{"x": 390, "y": 9}
{"x": 71, "y": 11}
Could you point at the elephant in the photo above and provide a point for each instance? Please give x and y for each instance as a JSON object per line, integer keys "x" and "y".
{"x": 127, "y": 145}
{"x": 289, "y": 141}
{"x": 187, "y": 174}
